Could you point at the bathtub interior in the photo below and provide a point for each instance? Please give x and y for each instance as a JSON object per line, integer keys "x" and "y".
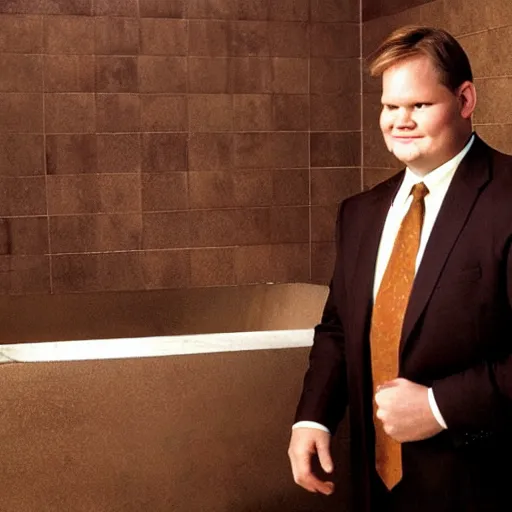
{"x": 135, "y": 314}
{"x": 184, "y": 432}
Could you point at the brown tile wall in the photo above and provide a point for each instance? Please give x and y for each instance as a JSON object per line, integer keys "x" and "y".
{"x": 485, "y": 31}
{"x": 152, "y": 144}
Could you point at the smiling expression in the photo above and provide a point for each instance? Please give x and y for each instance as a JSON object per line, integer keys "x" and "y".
{"x": 423, "y": 122}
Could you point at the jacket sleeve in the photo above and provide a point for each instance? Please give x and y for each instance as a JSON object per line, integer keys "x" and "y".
{"x": 324, "y": 393}
{"x": 477, "y": 402}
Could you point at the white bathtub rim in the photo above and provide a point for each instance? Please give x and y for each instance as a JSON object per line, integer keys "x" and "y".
{"x": 154, "y": 346}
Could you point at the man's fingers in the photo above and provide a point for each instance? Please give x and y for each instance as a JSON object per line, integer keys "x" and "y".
{"x": 324, "y": 456}
{"x": 304, "y": 444}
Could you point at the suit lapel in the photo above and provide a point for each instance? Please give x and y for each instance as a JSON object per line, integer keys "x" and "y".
{"x": 470, "y": 177}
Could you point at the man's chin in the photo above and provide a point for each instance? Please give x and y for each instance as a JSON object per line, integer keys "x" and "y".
{"x": 406, "y": 157}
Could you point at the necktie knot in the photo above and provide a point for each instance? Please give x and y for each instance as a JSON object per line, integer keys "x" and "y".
{"x": 419, "y": 191}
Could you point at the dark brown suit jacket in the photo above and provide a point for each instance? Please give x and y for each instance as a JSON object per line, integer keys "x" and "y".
{"x": 457, "y": 338}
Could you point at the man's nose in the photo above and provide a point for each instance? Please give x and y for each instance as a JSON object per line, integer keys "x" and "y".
{"x": 404, "y": 118}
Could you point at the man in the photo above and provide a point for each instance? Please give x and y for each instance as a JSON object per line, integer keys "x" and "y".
{"x": 416, "y": 334}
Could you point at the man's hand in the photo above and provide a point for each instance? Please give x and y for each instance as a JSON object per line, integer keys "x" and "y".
{"x": 305, "y": 442}
{"x": 405, "y": 412}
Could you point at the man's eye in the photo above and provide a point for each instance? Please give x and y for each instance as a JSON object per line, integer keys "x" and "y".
{"x": 390, "y": 107}
{"x": 421, "y": 105}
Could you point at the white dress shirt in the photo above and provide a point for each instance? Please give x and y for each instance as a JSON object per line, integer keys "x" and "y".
{"x": 437, "y": 182}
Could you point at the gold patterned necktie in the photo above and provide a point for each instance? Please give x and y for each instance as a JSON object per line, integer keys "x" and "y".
{"x": 386, "y": 325}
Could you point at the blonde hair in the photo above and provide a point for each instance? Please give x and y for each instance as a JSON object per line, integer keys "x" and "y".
{"x": 442, "y": 48}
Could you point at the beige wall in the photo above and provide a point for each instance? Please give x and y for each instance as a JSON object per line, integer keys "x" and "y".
{"x": 174, "y": 144}
{"x": 485, "y": 31}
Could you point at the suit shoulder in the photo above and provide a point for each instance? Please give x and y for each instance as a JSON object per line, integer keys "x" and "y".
{"x": 373, "y": 193}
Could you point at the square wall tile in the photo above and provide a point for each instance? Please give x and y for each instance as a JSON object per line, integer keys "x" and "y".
{"x": 211, "y": 189}
{"x": 163, "y": 8}
{"x": 252, "y": 112}
{"x": 21, "y": 113}
{"x": 21, "y": 155}
{"x": 117, "y": 113}
{"x": 95, "y": 233}
{"x": 290, "y": 263}
{"x": 253, "y": 264}
{"x": 336, "y": 112}
{"x": 69, "y": 113}
{"x": 164, "y": 113}
{"x": 93, "y": 193}
{"x": 249, "y": 38}
{"x": 375, "y": 152}
{"x": 211, "y": 113}
{"x": 323, "y": 255}
{"x": 22, "y": 196}
{"x": 334, "y": 10}
{"x": 288, "y": 39}
{"x": 337, "y": 40}
{"x": 119, "y": 152}
{"x": 211, "y": 151}
{"x": 97, "y": 272}
{"x": 212, "y": 267}
{"x": 69, "y": 73}
{"x": 330, "y": 186}
{"x": 74, "y": 7}
{"x": 290, "y": 187}
{"x": 27, "y": 235}
{"x": 208, "y": 75}
{"x": 164, "y": 191}
{"x": 323, "y": 223}
{"x": 21, "y": 33}
{"x": 263, "y": 150}
{"x": 209, "y": 38}
{"x": 288, "y": 149}
{"x": 230, "y": 189}
{"x": 494, "y": 103}
{"x": 164, "y": 152}
{"x": 69, "y": 35}
{"x": 71, "y": 154}
{"x": 289, "y": 10}
{"x": 290, "y": 112}
{"x": 117, "y": 36}
{"x": 335, "y": 76}
{"x": 166, "y": 230}
{"x": 160, "y": 36}
{"x": 221, "y": 228}
{"x": 336, "y": 149}
{"x": 21, "y": 275}
{"x": 212, "y": 9}
{"x": 116, "y": 74}
{"x": 162, "y": 74}
{"x": 289, "y": 224}
{"x": 115, "y": 7}
{"x": 21, "y": 73}
{"x": 290, "y": 76}
{"x": 251, "y": 75}
{"x": 166, "y": 269}
{"x": 252, "y": 10}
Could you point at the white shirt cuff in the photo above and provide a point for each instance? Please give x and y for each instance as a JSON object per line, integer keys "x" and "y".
{"x": 435, "y": 410}
{"x": 311, "y": 424}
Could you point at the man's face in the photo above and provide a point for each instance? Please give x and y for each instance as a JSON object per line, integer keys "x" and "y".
{"x": 421, "y": 119}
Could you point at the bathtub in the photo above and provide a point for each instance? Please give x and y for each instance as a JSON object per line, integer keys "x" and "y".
{"x": 178, "y": 400}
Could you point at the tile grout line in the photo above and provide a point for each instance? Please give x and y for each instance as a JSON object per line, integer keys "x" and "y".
{"x": 45, "y": 165}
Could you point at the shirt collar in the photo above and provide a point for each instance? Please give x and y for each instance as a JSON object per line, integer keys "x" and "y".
{"x": 436, "y": 179}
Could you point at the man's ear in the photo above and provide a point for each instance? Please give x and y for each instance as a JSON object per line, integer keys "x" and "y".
{"x": 467, "y": 99}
